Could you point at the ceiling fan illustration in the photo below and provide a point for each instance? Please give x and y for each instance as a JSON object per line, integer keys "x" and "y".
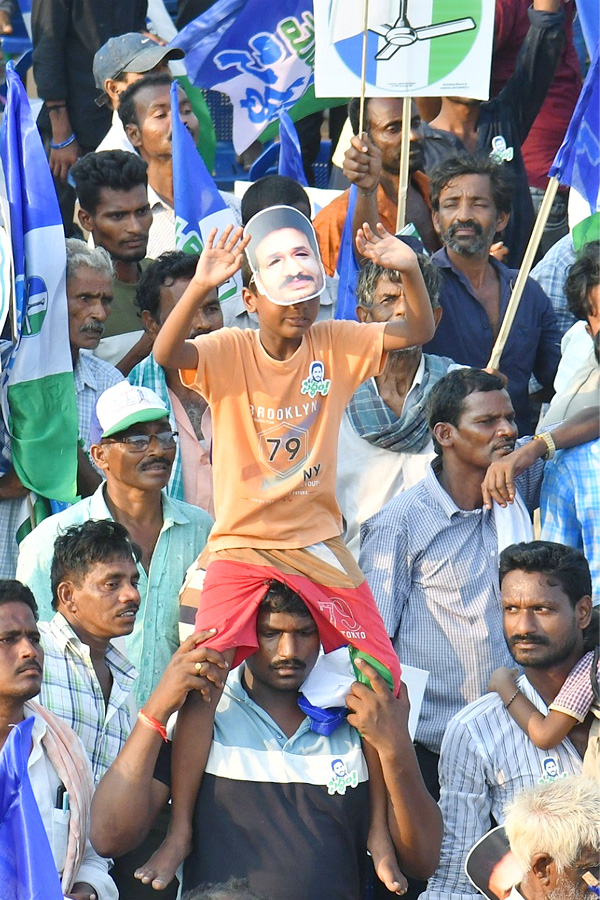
{"x": 402, "y": 34}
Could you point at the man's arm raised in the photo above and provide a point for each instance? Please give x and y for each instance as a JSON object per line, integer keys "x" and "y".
{"x": 414, "y": 817}
{"x": 384, "y": 249}
{"x": 499, "y": 481}
{"x": 218, "y": 261}
{"x": 128, "y": 798}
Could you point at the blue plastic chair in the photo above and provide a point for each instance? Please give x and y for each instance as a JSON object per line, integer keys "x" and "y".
{"x": 267, "y": 164}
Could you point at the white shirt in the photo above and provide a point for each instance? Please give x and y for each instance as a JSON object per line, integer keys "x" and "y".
{"x": 577, "y": 348}
{"x": 45, "y": 783}
{"x": 116, "y": 138}
{"x": 162, "y": 231}
{"x": 369, "y": 476}
{"x": 485, "y": 761}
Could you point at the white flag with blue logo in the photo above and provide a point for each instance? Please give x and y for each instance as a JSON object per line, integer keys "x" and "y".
{"x": 261, "y": 54}
{"x": 415, "y": 48}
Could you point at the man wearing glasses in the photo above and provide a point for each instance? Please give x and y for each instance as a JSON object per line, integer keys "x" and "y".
{"x": 135, "y": 448}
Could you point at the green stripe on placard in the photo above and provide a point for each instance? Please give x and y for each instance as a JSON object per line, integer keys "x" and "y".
{"x": 447, "y": 52}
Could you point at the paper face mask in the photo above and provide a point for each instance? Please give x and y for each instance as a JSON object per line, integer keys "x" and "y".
{"x": 284, "y": 256}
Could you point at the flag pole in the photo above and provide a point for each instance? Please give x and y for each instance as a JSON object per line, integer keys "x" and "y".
{"x": 404, "y": 158}
{"x": 517, "y": 291}
{"x": 363, "y": 70}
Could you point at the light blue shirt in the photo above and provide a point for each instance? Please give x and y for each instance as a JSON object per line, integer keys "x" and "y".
{"x": 155, "y": 635}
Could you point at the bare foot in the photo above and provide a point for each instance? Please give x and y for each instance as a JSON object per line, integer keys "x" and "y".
{"x": 160, "y": 869}
{"x": 385, "y": 863}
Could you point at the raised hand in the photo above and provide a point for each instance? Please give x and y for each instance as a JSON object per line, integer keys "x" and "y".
{"x": 362, "y": 164}
{"x": 221, "y": 259}
{"x": 385, "y": 249}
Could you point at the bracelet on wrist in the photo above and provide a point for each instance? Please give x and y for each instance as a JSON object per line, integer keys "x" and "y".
{"x": 63, "y": 144}
{"x": 548, "y": 440}
{"x": 56, "y": 106}
{"x": 370, "y": 193}
{"x": 506, "y": 705}
{"x": 154, "y": 724}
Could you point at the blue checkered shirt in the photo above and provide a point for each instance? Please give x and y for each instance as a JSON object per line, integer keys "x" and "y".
{"x": 551, "y": 274}
{"x": 433, "y": 570}
{"x": 71, "y": 690}
{"x": 570, "y": 504}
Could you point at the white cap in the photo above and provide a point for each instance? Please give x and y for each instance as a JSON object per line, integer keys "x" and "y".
{"x": 124, "y": 404}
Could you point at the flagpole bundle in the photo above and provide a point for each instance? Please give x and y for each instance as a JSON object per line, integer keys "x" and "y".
{"x": 404, "y": 159}
{"x": 363, "y": 70}
{"x": 528, "y": 258}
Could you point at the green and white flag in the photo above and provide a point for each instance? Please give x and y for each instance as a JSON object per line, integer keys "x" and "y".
{"x": 38, "y": 392}
{"x": 415, "y": 48}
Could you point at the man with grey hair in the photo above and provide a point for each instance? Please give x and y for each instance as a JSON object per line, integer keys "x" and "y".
{"x": 554, "y": 834}
{"x": 384, "y": 444}
{"x": 89, "y": 298}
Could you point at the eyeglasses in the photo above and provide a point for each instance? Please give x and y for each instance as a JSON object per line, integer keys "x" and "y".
{"x": 139, "y": 443}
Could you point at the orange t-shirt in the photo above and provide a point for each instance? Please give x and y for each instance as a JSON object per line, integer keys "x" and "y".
{"x": 275, "y": 430}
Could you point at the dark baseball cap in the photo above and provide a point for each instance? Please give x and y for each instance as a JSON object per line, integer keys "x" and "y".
{"x": 132, "y": 52}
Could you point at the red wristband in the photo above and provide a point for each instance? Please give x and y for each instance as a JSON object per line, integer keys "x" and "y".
{"x": 154, "y": 724}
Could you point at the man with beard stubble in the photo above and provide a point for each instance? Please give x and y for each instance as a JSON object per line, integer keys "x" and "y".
{"x": 486, "y": 760}
{"x": 471, "y": 201}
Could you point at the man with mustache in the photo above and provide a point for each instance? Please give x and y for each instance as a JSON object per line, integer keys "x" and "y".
{"x": 372, "y": 163}
{"x": 289, "y": 800}
{"x": 89, "y": 298}
{"x": 134, "y": 448}
{"x": 486, "y": 759}
{"x": 471, "y": 201}
{"x": 58, "y": 769}
{"x": 431, "y": 554}
{"x": 87, "y": 680}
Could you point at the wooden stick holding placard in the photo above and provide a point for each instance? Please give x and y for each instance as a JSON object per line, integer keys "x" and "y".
{"x": 517, "y": 291}
{"x": 363, "y": 70}
{"x": 404, "y": 160}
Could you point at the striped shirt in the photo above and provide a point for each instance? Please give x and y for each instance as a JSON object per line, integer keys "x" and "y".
{"x": 288, "y": 813}
{"x": 433, "y": 570}
{"x": 71, "y": 690}
{"x": 485, "y": 761}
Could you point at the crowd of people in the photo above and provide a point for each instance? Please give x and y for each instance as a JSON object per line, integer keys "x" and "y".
{"x": 202, "y": 660}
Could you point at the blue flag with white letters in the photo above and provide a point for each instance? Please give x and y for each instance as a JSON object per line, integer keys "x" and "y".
{"x": 199, "y": 206}
{"x": 577, "y": 162}
{"x": 261, "y": 54}
{"x": 290, "y": 153}
{"x": 27, "y": 867}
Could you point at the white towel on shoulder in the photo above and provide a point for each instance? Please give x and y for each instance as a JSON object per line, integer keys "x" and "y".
{"x": 513, "y": 523}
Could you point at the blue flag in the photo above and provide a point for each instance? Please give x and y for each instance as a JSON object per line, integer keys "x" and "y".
{"x": 290, "y": 154}
{"x": 38, "y": 383}
{"x": 260, "y": 54}
{"x": 577, "y": 162}
{"x": 587, "y": 12}
{"x": 27, "y": 867}
{"x": 199, "y": 206}
{"x": 347, "y": 267}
